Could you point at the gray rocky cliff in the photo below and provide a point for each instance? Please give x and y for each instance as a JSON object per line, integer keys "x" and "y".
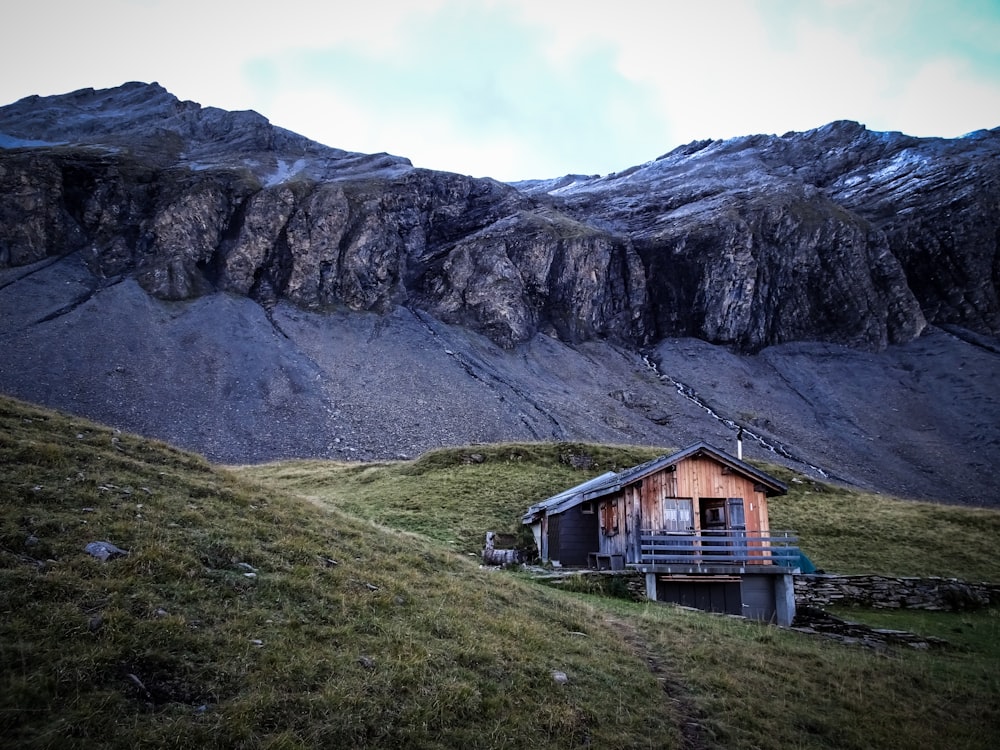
{"x": 836, "y": 235}
{"x": 145, "y": 185}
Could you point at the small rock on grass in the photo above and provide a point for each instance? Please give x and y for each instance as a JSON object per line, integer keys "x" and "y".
{"x": 105, "y": 551}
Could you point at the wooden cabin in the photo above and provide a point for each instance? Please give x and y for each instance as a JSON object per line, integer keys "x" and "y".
{"x": 695, "y": 522}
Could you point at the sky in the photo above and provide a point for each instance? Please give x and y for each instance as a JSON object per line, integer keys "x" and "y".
{"x": 519, "y": 89}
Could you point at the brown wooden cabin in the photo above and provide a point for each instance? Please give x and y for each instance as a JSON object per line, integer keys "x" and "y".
{"x": 695, "y": 522}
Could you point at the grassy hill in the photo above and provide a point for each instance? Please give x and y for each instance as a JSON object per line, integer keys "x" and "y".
{"x": 322, "y": 605}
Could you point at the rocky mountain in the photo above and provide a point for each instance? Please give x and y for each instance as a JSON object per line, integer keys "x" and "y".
{"x": 205, "y": 277}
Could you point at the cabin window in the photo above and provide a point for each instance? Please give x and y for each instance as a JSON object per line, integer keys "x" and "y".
{"x": 678, "y": 514}
{"x": 609, "y": 518}
{"x": 587, "y": 507}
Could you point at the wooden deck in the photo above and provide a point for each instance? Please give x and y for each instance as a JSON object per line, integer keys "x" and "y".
{"x": 719, "y": 548}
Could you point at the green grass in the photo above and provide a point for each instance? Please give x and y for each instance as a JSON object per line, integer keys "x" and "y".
{"x": 404, "y": 641}
{"x": 759, "y": 686}
{"x": 453, "y": 496}
{"x": 399, "y": 644}
{"x": 447, "y": 496}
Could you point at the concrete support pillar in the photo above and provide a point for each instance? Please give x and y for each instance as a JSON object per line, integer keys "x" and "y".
{"x": 784, "y": 599}
{"x": 651, "y": 586}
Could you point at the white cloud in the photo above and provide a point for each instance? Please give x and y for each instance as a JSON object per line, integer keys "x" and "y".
{"x": 433, "y": 142}
{"x": 525, "y": 88}
{"x": 943, "y": 98}
{"x": 197, "y": 48}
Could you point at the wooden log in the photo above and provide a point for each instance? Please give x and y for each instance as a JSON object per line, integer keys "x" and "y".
{"x": 496, "y": 556}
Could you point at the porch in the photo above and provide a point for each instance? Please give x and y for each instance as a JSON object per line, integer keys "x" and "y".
{"x": 749, "y": 573}
{"x": 722, "y": 551}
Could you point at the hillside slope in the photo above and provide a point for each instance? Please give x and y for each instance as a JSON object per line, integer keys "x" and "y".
{"x": 221, "y": 376}
{"x": 244, "y": 616}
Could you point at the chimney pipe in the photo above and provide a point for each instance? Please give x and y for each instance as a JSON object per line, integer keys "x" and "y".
{"x": 739, "y": 443}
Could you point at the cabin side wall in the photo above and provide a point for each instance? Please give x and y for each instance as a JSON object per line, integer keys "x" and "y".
{"x": 702, "y": 477}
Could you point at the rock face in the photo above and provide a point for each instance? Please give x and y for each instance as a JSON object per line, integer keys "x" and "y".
{"x": 205, "y": 277}
{"x": 836, "y": 235}
{"x": 190, "y": 201}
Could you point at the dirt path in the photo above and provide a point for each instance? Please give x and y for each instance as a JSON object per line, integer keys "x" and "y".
{"x": 693, "y": 731}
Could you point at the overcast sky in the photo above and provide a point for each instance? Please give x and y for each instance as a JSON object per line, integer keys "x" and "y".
{"x": 517, "y": 89}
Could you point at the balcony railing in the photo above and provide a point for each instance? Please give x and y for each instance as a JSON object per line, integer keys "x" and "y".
{"x": 723, "y": 547}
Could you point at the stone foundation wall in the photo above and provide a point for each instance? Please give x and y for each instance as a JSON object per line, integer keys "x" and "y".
{"x": 636, "y": 586}
{"x": 889, "y": 592}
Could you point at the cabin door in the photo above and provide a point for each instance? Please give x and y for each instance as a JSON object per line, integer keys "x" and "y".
{"x": 554, "y": 553}
{"x": 718, "y": 514}
{"x": 723, "y": 524}
{"x": 713, "y": 514}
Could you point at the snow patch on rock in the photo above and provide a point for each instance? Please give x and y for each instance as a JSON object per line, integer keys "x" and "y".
{"x": 284, "y": 172}
{"x": 9, "y": 141}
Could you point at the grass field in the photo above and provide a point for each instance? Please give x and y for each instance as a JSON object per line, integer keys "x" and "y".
{"x": 314, "y": 604}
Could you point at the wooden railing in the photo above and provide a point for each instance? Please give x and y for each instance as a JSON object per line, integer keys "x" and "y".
{"x": 725, "y": 547}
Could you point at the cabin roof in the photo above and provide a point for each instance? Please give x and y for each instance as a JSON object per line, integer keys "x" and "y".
{"x": 567, "y": 498}
{"x": 611, "y": 482}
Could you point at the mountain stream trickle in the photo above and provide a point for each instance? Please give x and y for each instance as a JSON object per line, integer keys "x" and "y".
{"x": 689, "y": 393}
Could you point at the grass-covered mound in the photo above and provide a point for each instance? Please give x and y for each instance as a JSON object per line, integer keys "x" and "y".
{"x": 451, "y": 495}
{"x": 243, "y": 617}
{"x": 737, "y": 684}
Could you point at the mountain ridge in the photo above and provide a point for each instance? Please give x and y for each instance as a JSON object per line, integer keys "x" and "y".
{"x": 134, "y": 228}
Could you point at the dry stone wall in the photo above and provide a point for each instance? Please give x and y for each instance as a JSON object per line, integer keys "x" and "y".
{"x": 890, "y": 592}
{"x": 877, "y": 591}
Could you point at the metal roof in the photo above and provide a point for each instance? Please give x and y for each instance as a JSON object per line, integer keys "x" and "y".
{"x": 566, "y": 498}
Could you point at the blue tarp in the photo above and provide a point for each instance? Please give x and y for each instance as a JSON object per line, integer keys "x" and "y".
{"x": 805, "y": 564}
